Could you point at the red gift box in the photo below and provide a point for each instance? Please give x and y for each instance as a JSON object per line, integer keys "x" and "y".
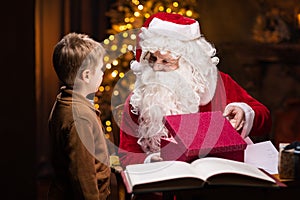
{"x": 197, "y": 135}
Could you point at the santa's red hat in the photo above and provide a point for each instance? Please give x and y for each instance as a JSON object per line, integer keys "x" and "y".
{"x": 172, "y": 25}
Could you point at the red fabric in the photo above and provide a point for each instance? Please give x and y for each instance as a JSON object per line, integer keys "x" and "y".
{"x": 170, "y": 17}
{"x": 201, "y": 134}
{"x": 130, "y": 152}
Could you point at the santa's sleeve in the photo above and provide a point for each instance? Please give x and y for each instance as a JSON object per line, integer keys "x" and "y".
{"x": 129, "y": 150}
{"x": 258, "y": 118}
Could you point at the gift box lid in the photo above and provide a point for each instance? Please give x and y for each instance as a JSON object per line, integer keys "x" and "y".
{"x": 204, "y": 133}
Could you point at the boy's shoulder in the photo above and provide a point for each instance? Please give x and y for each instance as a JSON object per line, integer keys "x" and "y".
{"x": 74, "y": 106}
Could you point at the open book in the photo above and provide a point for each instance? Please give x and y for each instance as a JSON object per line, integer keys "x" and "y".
{"x": 174, "y": 175}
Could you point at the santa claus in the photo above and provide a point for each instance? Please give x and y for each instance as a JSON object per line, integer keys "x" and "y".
{"x": 176, "y": 73}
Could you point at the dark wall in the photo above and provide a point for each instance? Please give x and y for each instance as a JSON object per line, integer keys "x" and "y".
{"x": 227, "y": 21}
{"x": 17, "y": 147}
{"x": 269, "y": 71}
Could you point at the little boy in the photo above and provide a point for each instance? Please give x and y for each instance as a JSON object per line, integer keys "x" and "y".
{"x": 79, "y": 151}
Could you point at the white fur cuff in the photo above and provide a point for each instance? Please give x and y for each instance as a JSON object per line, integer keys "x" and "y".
{"x": 148, "y": 158}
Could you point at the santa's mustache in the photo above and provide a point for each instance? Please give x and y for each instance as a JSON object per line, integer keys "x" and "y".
{"x": 168, "y": 88}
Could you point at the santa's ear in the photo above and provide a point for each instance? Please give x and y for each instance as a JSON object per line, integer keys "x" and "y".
{"x": 85, "y": 75}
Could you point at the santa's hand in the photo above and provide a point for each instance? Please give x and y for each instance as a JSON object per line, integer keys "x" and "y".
{"x": 156, "y": 158}
{"x": 236, "y": 116}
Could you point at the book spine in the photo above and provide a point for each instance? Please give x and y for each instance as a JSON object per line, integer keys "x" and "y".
{"x": 126, "y": 182}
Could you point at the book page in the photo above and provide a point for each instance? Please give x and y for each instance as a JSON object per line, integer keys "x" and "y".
{"x": 158, "y": 171}
{"x": 209, "y": 166}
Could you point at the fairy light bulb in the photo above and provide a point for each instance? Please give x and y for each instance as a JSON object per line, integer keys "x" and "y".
{"x": 114, "y": 73}
{"x": 111, "y": 37}
{"x": 106, "y": 41}
{"x": 115, "y": 62}
{"x": 136, "y": 2}
{"x": 116, "y": 93}
{"x": 114, "y": 47}
{"x": 140, "y": 7}
{"x": 136, "y": 14}
{"x": 189, "y": 13}
{"x": 108, "y": 66}
{"x": 161, "y": 8}
{"x": 108, "y": 129}
{"x": 121, "y": 74}
{"x": 133, "y": 36}
{"x": 106, "y": 58}
{"x": 107, "y": 88}
{"x": 125, "y": 35}
{"x": 101, "y": 88}
{"x": 130, "y": 47}
{"x": 108, "y": 123}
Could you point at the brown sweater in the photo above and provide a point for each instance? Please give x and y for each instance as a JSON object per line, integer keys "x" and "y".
{"x": 79, "y": 151}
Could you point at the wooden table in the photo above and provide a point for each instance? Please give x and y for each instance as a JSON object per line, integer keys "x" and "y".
{"x": 228, "y": 192}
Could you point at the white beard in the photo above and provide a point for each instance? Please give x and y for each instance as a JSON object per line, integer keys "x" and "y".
{"x": 158, "y": 94}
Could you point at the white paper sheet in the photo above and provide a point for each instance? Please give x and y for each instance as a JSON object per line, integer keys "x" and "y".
{"x": 262, "y": 155}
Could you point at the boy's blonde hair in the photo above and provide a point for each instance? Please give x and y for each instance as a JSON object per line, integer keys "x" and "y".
{"x": 74, "y": 53}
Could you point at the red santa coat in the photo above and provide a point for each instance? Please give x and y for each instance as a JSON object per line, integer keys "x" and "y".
{"x": 130, "y": 151}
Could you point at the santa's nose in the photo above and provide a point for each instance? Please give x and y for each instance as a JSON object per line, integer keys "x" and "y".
{"x": 158, "y": 67}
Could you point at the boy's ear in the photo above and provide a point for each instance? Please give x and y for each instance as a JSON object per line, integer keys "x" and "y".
{"x": 86, "y": 75}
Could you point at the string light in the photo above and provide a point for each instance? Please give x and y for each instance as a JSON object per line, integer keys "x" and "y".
{"x": 111, "y": 37}
{"x": 136, "y": 14}
{"x": 114, "y": 47}
{"x": 147, "y": 15}
{"x": 115, "y": 62}
{"x": 130, "y": 47}
{"x": 106, "y": 41}
{"x": 108, "y": 129}
{"x": 189, "y": 13}
{"x": 132, "y": 19}
{"x": 108, "y": 123}
{"x": 123, "y": 50}
{"x": 107, "y": 88}
{"x": 133, "y": 36}
{"x": 121, "y": 74}
{"x": 127, "y": 20}
{"x": 116, "y": 93}
{"x": 106, "y": 58}
{"x": 108, "y": 66}
{"x": 114, "y": 73}
{"x": 140, "y": 7}
{"x": 107, "y": 136}
{"x": 136, "y": 2}
{"x": 125, "y": 35}
{"x": 101, "y": 88}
